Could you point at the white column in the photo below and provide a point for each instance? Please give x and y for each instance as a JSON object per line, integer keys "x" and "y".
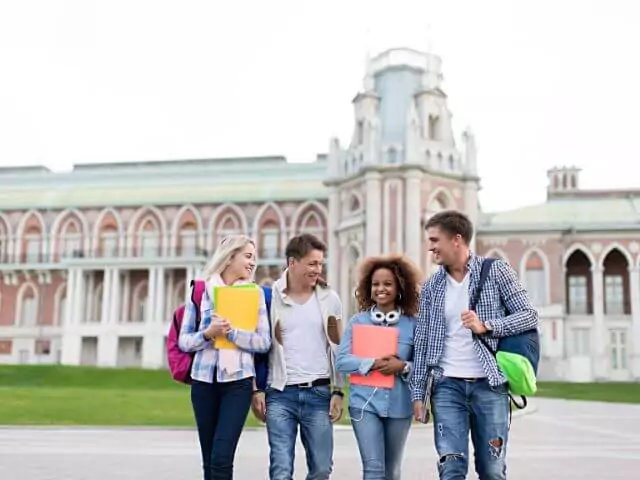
{"x": 344, "y": 288}
{"x": 72, "y": 279}
{"x": 332, "y": 227}
{"x": 168, "y": 305}
{"x": 116, "y": 300}
{"x": 413, "y": 226}
{"x": 600, "y": 360}
{"x": 187, "y": 282}
{"x": 79, "y": 293}
{"x": 373, "y": 213}
{"x": 108, "y": 338}
{"x": 159, "y": 313}
{"x": 151, "y": 289}
{"x": 470, "y": 196}
{"x": 634, "y": 287}
{"x": 71, "y": 340}
{"x": 126, "y": 298}
{"x": 106, "y": 296}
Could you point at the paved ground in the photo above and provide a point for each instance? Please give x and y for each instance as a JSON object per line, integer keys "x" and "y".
{"x": 561, "y": 440}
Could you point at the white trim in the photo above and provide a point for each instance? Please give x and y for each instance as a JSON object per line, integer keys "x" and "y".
{"x": 97, "y": 229}
{"x": 255, "y": 232}
{"x": 177, "y": 223}
{"x": 20, "y": 233}
{"x": 301, "y": 208}
{"x": 546, "y": 266}
{"x": 68, "y": 215}
{"x": 575, "y": 247}
{"x": 217, "y": 214}
{"x": 443, "y": 192}
{"x": 7, "y": 223}
{"x": 497, "y": 253}
{"x": 623, "y": 251}
{"x": 19, "y": 298}
{"x": 57, "y": 297}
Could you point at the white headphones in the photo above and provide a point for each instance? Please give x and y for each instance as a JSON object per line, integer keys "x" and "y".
{"x": 380, "y": 318}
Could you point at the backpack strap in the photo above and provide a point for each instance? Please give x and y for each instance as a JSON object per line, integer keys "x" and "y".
{"x": 484, "y": 273}
{"x": 197, "y": 291}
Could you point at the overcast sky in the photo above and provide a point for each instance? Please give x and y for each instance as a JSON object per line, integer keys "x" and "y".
{"x": 541, "y": 82}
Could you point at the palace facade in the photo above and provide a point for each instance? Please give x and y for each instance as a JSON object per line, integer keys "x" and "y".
{"x": 94, "y": 261}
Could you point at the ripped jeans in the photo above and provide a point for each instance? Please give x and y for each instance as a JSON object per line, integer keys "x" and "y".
{"x": 462, "y": 406}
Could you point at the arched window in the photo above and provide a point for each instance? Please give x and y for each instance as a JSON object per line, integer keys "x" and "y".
{"x": 188, "y": 239}
{"x": 70, "y": 239}
{"x": 269, "y": 240}
{"x": 28, "y": 298}
{"x": 149, "y": 238}
{"x": 140, "y": 302}
{"x": 616, "y": 284}
{"x": 535, "y": 279}
{"x": 579, "y": 284}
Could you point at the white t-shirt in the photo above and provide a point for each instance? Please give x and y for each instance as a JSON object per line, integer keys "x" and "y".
{"x": 459, "y": 358}
{"x": 305, "y": 343}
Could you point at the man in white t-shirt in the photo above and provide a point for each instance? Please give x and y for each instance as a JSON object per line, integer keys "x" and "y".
{"x": 304, "y": 390}
{"x": 469, "y": 392}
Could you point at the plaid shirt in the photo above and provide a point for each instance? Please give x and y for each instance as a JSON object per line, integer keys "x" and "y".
{"x": 207, "y": 359}
{"x": 504, "y": 304}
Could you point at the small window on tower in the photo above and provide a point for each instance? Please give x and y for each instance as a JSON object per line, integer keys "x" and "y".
{"x": 392, "y": 155}
{"x": 360, "y": 132}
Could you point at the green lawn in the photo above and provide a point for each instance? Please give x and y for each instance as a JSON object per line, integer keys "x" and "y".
{"x": 55, "y": 395}
{"x": 596, "y": 392}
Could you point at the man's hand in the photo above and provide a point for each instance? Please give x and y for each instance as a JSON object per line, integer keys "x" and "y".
{"x": 335, "y": 408}
{"x": 259, "y": 406}
{"x": 418, "y": 412}
{"x": 391, "y": 365}
{"x": 471, "y": 321}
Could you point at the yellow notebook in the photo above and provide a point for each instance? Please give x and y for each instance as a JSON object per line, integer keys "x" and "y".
{"x": 240, "y": 306}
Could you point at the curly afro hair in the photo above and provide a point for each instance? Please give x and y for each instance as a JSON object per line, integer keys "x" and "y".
{"x": 408, "y": 280}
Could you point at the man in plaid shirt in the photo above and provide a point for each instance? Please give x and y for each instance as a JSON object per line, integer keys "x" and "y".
{"x": 468, "y": 393}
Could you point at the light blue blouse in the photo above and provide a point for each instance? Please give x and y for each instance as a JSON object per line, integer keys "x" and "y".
{"x": 385, "y": 402}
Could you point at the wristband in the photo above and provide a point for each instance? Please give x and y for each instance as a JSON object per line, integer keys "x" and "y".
{"x": 339, "y": 393}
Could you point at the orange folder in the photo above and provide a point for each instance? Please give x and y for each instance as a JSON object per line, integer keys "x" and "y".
{"x": 371, "y": 341}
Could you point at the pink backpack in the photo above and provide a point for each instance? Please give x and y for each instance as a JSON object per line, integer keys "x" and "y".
{"x": 180, "y": 362}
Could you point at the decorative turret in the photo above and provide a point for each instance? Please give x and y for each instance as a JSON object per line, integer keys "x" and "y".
{"x": 563, "y": 180}
{"x": 401, "y": 115}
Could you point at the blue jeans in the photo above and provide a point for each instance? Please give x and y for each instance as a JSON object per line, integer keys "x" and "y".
{"x": 220, "y": 410}
{"x": 381, "y": 443}
{"x": 460, "y": 406}
{"x": 308, "y": 408}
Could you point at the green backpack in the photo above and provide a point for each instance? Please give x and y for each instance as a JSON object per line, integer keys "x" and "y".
{"x": 517, "y": 356}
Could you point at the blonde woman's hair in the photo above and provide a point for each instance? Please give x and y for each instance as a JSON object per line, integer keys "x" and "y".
{"x": 227, "y": 248}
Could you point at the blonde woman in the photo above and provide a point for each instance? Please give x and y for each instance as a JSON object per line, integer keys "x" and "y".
{"x": 223, "y": 379}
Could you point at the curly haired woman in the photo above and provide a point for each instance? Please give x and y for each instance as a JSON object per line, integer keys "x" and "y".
{"x": 387, "y": 295}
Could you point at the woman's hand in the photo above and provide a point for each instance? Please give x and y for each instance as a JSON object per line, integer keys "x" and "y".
{"x": 389, "y": 365}
{"x": 219, "y": 327}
